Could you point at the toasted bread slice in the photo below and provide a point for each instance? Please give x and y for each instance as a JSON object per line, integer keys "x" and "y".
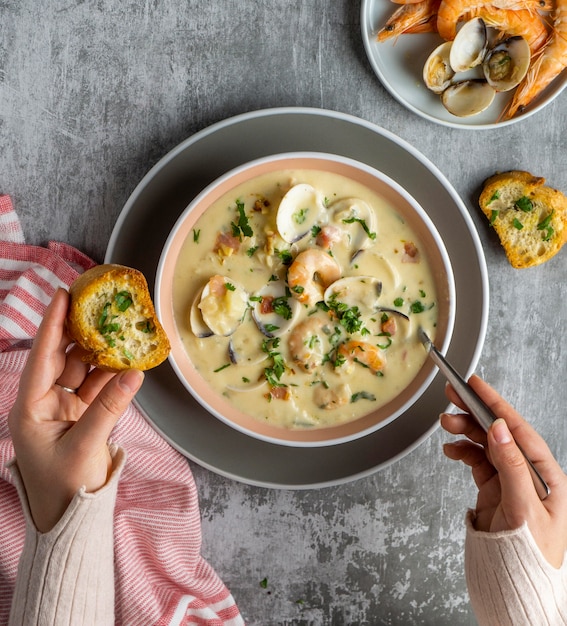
{"x": 529, "y": 218}
{"x": 112, "y": 317}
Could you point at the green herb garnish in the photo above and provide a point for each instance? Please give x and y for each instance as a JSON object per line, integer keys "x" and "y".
{"x": 524, "y": 204}
{"x": 222, "y": 367}
{"x": 196, "y": 235}
{"x": 362, "y": 395}
{"x": 352, "y": 220}
{"x": 517, "y": 224}
{"x": 242, "y": 226}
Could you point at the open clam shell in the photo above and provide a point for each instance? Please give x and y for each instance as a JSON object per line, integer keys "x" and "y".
{"x": 299, "y": 210}
{"x": 437, "y": 71}
{"x": 469, "y": 46}
{"x": 357, "y": 219}
{"x": 468, "y": 97}
{"x": 274, "y": 309}
{"x": 223, "y": 304}
{"x": 196, "y": 321}
{"x": 507, "y": 63}
{"x": 360, "y": 291}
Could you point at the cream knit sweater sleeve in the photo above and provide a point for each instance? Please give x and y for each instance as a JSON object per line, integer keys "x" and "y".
{"x": 510, "y": 583}
{"x": 66, "y": 576}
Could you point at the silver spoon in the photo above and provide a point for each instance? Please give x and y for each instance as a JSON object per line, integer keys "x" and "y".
{"x": 478, "y": 409}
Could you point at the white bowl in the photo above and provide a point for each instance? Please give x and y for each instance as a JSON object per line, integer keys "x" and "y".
{"x": 407, "y": 208}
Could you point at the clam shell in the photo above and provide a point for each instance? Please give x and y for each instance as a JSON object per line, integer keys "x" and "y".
{"x": 469, "y": 46}
{"x": 224, "y": 312}
{"x": 507, "y": 63}
{"x": 468, "y": 97}
{"x": 196, "y": 321}
{"x": 361, "y": 291}
{"x": 273, "y": 324}
{"x": 437, "y": 71}
{"x": 299, "y": 210}
{"x": 352, "y": 215}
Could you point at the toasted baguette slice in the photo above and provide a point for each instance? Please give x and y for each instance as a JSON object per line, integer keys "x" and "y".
{"x": 529, "y": 218}
{"x": 112, "y": 317}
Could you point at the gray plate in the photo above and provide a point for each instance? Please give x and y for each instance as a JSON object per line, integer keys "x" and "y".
{"x": 151, "y": 211}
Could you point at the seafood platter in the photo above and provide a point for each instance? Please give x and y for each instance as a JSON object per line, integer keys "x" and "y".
{"x": 292, "y": 289}
{"x": 468, "y": 63}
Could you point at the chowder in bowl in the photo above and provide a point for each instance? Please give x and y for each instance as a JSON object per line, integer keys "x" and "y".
{"x": 292, "y": 289}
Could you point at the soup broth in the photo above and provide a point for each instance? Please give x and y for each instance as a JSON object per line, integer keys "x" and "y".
{"x": 298, "y": 296}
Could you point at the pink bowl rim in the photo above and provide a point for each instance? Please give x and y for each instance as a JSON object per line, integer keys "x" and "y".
{"x": 179, "y": 359}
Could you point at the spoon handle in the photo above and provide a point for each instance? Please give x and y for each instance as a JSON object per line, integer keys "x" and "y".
{"x": 479, "y": 410}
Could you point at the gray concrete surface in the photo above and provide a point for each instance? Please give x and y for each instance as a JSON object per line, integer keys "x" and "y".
{"x": 94, "y": 92}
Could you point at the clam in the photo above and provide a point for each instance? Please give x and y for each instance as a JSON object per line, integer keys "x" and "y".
{"x": 358, "y": 220}
{"x": 507, "y": 63}
{"x": 469, "y": 46}
{"x": 274, "y": 310}
{"x": 223, "y": 304}
{"x": 437, "y": 71}
{"x": 299, "y": 210}
{"x": 468, "y": 97}
{"x": 245, "y": 346}
{"x": 196, "y": 321}
{"x": 360, "y": 291}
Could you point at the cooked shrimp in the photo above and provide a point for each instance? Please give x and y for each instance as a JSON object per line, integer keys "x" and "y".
{"x": 329, "y": 398}
{"x": 524, "y": 23}
{"x": 547, "y": 66}
{"x": 311, "y": 272}
{"x": 363, "y": 353}
{"x": 514, "y": 17}
{"x": 308, "y": 343}
{"x": 414, "y": 17}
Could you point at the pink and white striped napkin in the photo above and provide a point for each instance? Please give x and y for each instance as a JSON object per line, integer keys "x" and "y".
{"x": 161, "y": 577}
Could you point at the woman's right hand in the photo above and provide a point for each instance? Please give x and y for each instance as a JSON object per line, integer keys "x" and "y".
{"x": 506, "y": 494}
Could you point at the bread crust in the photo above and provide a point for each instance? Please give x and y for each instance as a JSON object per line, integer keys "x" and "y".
{"x": 112, "y": 317}
{"x": 529, "y": 217}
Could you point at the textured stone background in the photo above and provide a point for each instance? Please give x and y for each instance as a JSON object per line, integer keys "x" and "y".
{"x": 94, "y": 92}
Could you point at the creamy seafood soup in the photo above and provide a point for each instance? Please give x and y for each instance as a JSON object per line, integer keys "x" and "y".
{"x": 298, "y": 296}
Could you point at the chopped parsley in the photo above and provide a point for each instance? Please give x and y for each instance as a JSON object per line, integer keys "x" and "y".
{"x": 493, "y": 215}
{"x": 399, "y": 302}
{"x": 524, "y": 204}
{"x": 494, "y": 197}
{"x": 241, "y": 227}
{"x": 250, "y": 252}
{"x": 282, "y": 308}
{"x": 123, "y": 300}
{"x": 315, "y": 230}
{"x": 274, "y": 373}
{"x": 196, "y": 235}
{"x": 362, "y": 395}
{"x": 349, "y": 317}
{"x": 545, "y": 225}
{"x": 300, "y": 216}
{"x": 230, "y": 287}
{"x": 517, "y": 224}
{"x": 222, "y": 367}
{"x": 352, "y": 220}
{"x": 285, "y": 256}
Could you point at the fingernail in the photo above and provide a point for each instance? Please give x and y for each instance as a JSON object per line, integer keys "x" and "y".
{"x": 501, "y": 432}
{"x": 131, "y": 380}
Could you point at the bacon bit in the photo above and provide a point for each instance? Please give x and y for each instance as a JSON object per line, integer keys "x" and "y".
{"x": 267, "y": 304}
{"x": 217, "y": 285}
{"x": 328, "y": 236}
{"x": 226, "y": 244}
{"x": 261, "y": 205}
{"x": 389, "y": 326}
{"x": 411, "y": 253}
{"x": 279, "y": 393}
{"x": 270, "y": 247}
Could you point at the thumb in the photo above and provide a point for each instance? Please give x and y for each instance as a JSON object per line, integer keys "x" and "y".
{"x": 517, "y": 488}
{"x": 101, "y": 416}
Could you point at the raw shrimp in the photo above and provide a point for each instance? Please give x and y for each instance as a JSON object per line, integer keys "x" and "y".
{"x": 547, "y": 66}
{"x": 365, "y": 354}
{"x": 311, "y": 272}
{"x": 411, "y": 18}
{"x": 514, "y": 17}
{"x": 308, "y": 343}
{"x": 329, "y": 398}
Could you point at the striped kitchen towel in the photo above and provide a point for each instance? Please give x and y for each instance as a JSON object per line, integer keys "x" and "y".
{"x": 160, "y": 575}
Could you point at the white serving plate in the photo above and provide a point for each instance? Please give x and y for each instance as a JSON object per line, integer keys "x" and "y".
{"x": 398, "y": 63}
{"x": 144, "y": 225}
